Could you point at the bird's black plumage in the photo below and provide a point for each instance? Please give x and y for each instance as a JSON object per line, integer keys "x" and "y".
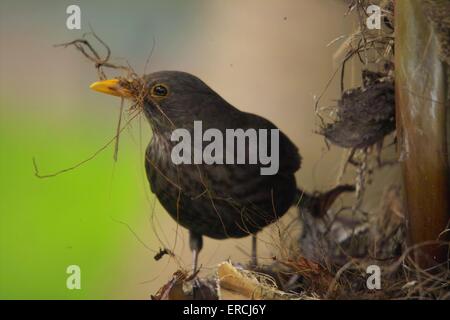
{"x": 219, "y": 200}
{"x": 215, "y": 200}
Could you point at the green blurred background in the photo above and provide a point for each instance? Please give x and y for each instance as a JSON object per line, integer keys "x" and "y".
{"x": 267, "y": 57}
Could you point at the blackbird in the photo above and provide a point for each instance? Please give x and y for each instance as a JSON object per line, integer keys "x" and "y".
{"x": 214, "y": 200}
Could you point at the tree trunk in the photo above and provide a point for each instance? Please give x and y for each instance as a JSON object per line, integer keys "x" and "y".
{"x": 421, "y": 98}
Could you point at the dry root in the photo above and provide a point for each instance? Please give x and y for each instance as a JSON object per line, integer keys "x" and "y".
{"x": 130, "y": 80}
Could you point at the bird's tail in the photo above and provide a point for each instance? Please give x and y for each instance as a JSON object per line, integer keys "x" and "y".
{"x": 318, "y": 203}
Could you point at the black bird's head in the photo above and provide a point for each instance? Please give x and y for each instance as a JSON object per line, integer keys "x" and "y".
{"x": 170, "y": 99}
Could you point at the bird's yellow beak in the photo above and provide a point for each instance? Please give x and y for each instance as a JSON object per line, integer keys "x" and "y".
{"x": 112, "y": 87}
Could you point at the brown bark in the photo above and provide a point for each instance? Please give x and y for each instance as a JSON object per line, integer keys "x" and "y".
{"x": 421, "y": 97}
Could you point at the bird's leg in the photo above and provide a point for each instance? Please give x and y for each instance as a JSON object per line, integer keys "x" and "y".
{"x": 196, "y": 244}
{"x": 254, "y": 261}
{"x": 194, "y": 260}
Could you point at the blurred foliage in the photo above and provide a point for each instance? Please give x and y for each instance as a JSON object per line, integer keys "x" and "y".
{"x": 49, "y": 224}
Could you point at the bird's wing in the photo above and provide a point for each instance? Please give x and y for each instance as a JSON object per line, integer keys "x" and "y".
{"x": 236, "y": 181}
{"x": 289, "y": 157}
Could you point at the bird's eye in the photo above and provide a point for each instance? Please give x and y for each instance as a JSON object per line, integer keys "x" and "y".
{"x": 159, "y": 91}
